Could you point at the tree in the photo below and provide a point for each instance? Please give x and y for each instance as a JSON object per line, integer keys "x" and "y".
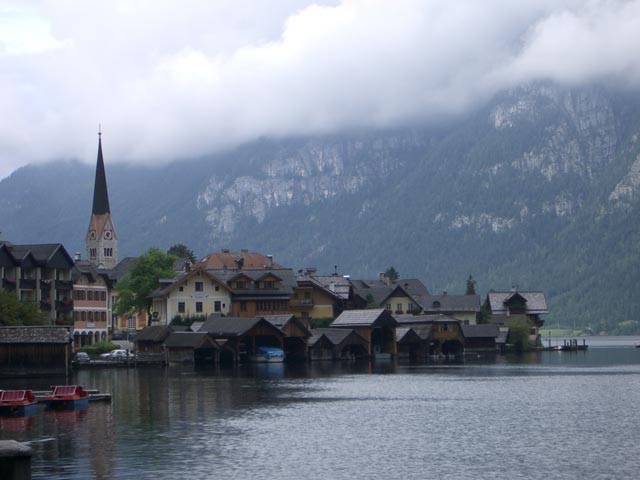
{"x": 392, "y": 274}
{"x": 14, "y": 312}
{"x": 143, "y": 278}
{"x": 471, "y": 286}
{"x": 180, "y": 250}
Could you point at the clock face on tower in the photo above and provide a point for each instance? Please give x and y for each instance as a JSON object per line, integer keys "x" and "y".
{"x": 107, "y": 234}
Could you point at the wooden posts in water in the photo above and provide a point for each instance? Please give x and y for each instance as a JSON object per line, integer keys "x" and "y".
{"x": 15, "y": 460}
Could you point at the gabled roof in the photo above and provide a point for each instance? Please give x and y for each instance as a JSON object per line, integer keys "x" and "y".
{"x": 230, "y": 260}
{"x": 88, "y": 268}
{"x": 363, "y": 318}
{"x": 536, "y": 302}
{"x": 424, "y": 319}
{"x": 451, "y": 303}
{"x": 335, "y": 285}
{"x": 154, "y": 333}
{"x": 218, "y": 326}
{"x": 188, "y": 340}
{"x": 380, "y": 290}
{"x": 58, "y": 335}
{"x": 166, "y": 285}
{"x": 285, "y": 286}
{"x": 335, "y": 336}
{"x": 490, "y": 330}
{"x": 281, "y": 321}
{"x": 41, "y": 254}
{"x": 121, "y": 269}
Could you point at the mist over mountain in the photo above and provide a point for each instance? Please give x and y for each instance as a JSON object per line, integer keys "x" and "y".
{"x": 539, "y": 188}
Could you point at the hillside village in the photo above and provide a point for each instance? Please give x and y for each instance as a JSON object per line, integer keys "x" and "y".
{"x": 230, "y": 303}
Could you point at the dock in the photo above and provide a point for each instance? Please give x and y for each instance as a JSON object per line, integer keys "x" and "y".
{"x": 568, "y": 345}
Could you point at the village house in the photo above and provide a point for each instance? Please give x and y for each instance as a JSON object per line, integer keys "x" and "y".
{"x": 463, "y": 307}
{"x": 195, "y": 292}
{"x": 91, "y": 304}
{"x": 42, "y": 274}
{"x": 513, "y": 306}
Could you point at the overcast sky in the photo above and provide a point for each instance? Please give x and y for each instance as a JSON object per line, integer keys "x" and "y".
{"x": 178, "y": 79}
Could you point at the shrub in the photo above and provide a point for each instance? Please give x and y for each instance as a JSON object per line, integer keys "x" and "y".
{"x": 98, "y": 348}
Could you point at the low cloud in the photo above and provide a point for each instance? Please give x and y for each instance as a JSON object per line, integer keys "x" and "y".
{"x": 180, "y": 79}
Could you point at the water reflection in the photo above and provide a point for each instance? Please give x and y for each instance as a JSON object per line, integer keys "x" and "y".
{"x": 327, "y": 419}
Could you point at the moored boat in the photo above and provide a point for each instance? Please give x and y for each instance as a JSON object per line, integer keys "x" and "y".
{"x": 67, "y": 397}
{"x": 268, "y": 355}
{"x": 17, "y": 403}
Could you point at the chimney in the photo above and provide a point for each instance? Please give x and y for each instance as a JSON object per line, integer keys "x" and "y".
{"x": 187, "y": 266}
{"x": 384, "y": 279}
{"x": 513, "y": 288}
{"x": 332, "y": 286}
{"x": 76, "y": 257}
{"x": 269, "y": 261}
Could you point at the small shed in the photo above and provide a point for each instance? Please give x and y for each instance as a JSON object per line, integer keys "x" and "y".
{"x": 378, "y": 327}
{"x": 35, "y": 349}
{"x": 337, "y": 344}
{"x": 191, "y": 347}
{"x": 413, "y": 342}
{"x": 480, "y": 338}
{"x": 150, "y": 339}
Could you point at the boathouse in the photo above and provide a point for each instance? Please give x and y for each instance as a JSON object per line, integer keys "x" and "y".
{"x": 297, "y": 334}
{"x": 337, "y": 344}
{"x": 444, "y": 332}
{"x": 377, "y": 327}
{"x": 191, "y": 347}
{"x": 480, "y": 338}
{"x": 240, "y": 337}
{"x": 413, "y": 342}
{"x": 35, "y": 350}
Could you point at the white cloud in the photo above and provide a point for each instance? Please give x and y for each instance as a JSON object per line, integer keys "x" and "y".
{"x": 176, "y": 79}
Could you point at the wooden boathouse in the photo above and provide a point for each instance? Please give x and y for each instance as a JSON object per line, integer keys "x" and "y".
{"x": 191, "y": 347}
{"x": 377, "y": 327}
{"x": 240, "y": 337}
{"x": 337, "y": 344}
{"x": 35, "y": 350}
{"x": 297, "y": 334}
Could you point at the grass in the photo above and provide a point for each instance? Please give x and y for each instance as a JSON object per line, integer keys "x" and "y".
{"x": 560, "y": 332}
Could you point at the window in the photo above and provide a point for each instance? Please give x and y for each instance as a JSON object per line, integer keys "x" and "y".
{"x": 90, "y": 295}
{"x": 399, "y": 307}
{"x": 388, "y": 306}
{"x": 83, "y": 316}
{"x": 243, "y": 306}
{"x": 131, "y": 323}
{"x": 217, "y": 288}
{"x": 269, "y": 284}
{"x": 410, "y": 307}
{"x": 181, "y": 288}
{"x": 444, "y": 327}
{"x": 92, "y": 252}
{"x": 241, "y": 284}
{"x": 198, "y": 307}
{"x": 180, "y": 307}
{"x": 216, "y": 306}
{"x": 103, "y": 296}
{"x": 108, "y": 251}
{"x": 199, "y": 286}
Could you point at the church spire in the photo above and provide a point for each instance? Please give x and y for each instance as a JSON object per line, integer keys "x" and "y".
{"x": 100, "y": 194}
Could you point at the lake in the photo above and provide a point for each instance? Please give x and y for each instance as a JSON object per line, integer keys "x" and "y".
{"x": 543, "y": 415}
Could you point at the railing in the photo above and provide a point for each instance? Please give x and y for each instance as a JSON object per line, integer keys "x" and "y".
{"x": 304, "y": 302}
{"x": 45, "y": 305}
{"x": 28, "y": 283}
{"x": 8, "y": 284}
{"x": 64, "y": 284}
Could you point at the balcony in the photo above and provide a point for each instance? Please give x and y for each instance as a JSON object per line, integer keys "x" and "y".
{"x": 45, "y": 305}
{"x": 28, "y": 283}
{"x": 64, "y": 284}
{"x": 64, "y": 307}
{"x": 301, "y": 302}
{"x": 8, "y": 284}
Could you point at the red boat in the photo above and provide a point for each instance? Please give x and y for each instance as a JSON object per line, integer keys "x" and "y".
{"x": 17, "y": 403}
{"x": 67, "y": 397}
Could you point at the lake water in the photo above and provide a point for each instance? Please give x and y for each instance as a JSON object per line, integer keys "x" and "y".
{"x": 544, "y": 415}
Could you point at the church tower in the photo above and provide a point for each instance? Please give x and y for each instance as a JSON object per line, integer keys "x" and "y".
{"x": 102, "y": 241}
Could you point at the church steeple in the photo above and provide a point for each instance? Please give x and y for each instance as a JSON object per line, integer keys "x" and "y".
{"x": 102, "y": 241}
{"x": 100, "y": 194}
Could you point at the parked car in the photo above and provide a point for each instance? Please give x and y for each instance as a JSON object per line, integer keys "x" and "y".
{"x": 118, "y": 354}
{"x": 81, "y": 357}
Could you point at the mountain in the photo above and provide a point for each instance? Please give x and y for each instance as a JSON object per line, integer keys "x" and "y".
{"x": 539, "y": 188}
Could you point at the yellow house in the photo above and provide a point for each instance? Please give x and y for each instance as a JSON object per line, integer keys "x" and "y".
{"x": 192, "y": 293}
{"x": 462, "y": 307}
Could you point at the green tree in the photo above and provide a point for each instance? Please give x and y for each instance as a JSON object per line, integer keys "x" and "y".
{"x": 519, "y": 336}
{"x": 180, "y": 250}
{"x": 471, "y": 286}
{"x": 392, "y": 274}
{"x": 134, "y": 288}
{"x": 14, "y": 312}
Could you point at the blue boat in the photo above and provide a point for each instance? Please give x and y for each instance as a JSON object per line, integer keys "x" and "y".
{"x": 67, "y": 397}
{"x": 17, "y": 403}
{"x": 268, "y": 355}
